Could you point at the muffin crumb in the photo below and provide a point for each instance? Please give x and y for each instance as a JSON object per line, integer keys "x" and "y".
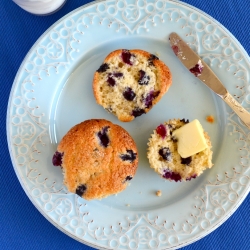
{"x": 158, "y": 193}
{"x": 210, "y": 119}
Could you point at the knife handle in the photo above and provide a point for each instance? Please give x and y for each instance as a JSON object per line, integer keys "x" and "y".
{"x": 243, "y": 114}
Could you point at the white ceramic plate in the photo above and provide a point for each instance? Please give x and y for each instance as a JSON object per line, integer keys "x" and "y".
{"x": 52, "y": 92}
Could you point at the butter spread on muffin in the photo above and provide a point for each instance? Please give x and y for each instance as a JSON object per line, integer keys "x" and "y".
{"x": 190, "y": 139}
{"x": 170, "y": 154}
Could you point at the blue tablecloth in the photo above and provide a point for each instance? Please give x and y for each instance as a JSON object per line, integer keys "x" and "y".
{"x": 21, "y": 225}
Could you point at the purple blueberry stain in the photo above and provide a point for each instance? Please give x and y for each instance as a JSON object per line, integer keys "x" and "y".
{"x": 129, "y": 156}
{"x": 80, "y": 190}
{"x": 168, "y": 174}
{"x": 111, "y": 81}
{"x": 197, "y": 69}
{"x": 138, "y": 112}
{"x": 191, "y": 177}
{"x": 186, "y": 161}
{"x": 102, "y": 135}
{"x": 149, "y": 100}
{"x": 161, "y": 131}
{"x": 129, "y": 178}
{"x": 111, "y": 78}
{"x": 118, "y": 74}
{"x": 165, "y": 154}
{"x": 129, "y": 94}
{"x": 185, "y": 121}
{"x": 104, "y": 67}
{"x": 143, "y": 78}
{"x": 175, "y": 49}
{"x": 57, "y": 159}
{"x": 126, "y": 57}
{"x": 151, "y": 59}
{"x": 150, "y": 97}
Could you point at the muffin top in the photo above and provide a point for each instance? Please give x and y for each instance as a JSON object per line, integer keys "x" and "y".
{"x": 97, "y": 157}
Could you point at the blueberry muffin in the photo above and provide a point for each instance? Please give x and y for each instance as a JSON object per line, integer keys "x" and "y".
{"x": 164, "y": 154}
{"x": 98, "y": 159}
{"x": 130, "y": 82}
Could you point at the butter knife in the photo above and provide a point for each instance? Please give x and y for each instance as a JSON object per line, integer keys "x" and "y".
{"x": 202, "y": 71}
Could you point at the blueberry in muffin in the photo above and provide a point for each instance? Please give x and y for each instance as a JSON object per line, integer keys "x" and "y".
{"x": 130, "y": 82}
{"x": 98, "y": 159}
{"x": 179, "y": 150}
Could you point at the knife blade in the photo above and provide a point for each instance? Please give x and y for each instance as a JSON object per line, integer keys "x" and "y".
{"x": 204, "y": 73}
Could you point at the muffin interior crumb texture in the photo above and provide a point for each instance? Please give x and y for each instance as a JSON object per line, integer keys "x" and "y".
{"x": 165, "y": 160}
{"x": 98, "y": 159}
{"x": 130, "y": 82}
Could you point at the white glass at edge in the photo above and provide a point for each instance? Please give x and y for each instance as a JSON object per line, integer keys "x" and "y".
{"x": 40, "y": 7}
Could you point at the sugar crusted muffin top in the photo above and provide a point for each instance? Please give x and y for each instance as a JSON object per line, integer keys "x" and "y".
{"x": 98, "y": 159}
{"x": 130, "y": 82}
{"x": 164, "y": 158}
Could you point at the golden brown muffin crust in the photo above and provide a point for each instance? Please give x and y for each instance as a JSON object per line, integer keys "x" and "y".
{"x": 87, "y": 162}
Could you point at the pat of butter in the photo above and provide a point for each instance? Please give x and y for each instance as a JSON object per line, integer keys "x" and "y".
{"x": 190, "y": 138}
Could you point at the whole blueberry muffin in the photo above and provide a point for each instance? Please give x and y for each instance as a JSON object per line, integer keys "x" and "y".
{"x": 130, "y": 82}
{"x": 98, "y": 159}
{"x": 169, "y": 150}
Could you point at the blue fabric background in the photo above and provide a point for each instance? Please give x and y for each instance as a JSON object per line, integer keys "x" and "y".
{"x": 21, "y": 225}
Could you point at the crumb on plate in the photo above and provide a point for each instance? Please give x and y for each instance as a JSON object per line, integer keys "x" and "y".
{"x": 210, "y": 118}
{"x": 158, "y": 193}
